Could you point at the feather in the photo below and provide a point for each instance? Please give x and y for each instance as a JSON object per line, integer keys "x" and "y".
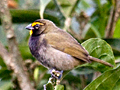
{"x": 64, "y": 42}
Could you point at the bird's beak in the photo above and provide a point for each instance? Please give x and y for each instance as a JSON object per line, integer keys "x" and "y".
{"x": 29, "y": 27}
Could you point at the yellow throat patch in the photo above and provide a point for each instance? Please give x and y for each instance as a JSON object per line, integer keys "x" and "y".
{"x": 31, "y": 32}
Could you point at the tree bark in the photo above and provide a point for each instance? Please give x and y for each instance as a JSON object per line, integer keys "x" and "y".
{"x": 13, "y": 58}
{"x": 114, "y": 15}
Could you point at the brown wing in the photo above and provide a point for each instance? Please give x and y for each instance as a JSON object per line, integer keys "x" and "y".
{"x": 64, "y": 42}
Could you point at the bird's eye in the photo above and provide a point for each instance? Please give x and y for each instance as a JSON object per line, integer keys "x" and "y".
{"x": 37, "y": 26}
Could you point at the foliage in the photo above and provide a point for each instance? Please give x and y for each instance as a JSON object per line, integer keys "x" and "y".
{"x": 88, "y": 19}
{"x": 117, "y": 30}
{"x": 109, "y": 80}
{"x": 100, "y": 49}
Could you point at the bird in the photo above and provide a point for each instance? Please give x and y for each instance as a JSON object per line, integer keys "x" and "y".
{"x": 56, "y": 49}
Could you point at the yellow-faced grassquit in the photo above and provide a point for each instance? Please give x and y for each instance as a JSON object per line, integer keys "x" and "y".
{"x": 56, "y": 49}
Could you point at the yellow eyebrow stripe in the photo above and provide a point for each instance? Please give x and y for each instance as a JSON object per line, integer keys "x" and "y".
{"x": 34, "y": 23}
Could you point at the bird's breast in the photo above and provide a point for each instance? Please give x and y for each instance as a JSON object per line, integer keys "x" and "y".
{"x": 35, "y": 44}
{"x": 38, "y": 48}
{"x": 49, "y": 56}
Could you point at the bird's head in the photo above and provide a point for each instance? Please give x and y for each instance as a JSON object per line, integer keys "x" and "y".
{"x": 39, "y": 26}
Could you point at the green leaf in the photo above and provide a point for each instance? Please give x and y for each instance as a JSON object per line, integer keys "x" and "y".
{"x": 115, "y": 44}
{"x": 95, "y": 31}
{"x": 43, "y": 4}
{"x": 100, "y": 49}
{"x": 110, "y": 80}
{"x": 67, "y": 6}
{"x": 117, "y": 30}
{"x": 59, "y": 12}
{"x": 59, "y": 87}
{"x": 49, "y": 86}
{"x": 100, "y": 16}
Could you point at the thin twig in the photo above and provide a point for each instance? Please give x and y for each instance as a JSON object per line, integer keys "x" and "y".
{"x": 117, "y": 61}
{"x": 114, "y": 15}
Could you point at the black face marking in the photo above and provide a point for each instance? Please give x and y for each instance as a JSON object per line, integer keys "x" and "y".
{"x": 35, "y": 45}
{"x": 38, "y": 28}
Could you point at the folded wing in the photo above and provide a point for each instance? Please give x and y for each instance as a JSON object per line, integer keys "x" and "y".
{"x": 64, "y": 42}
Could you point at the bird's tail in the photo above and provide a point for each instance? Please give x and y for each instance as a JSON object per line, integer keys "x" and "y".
{"x": 100, "y": 61}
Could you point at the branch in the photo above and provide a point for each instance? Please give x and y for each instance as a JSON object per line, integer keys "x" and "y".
{"x": 5, "y": 55}
{"x": 114, "y": 15}
{"x": 13, "y": 58}
{"x": 117, "y": 61}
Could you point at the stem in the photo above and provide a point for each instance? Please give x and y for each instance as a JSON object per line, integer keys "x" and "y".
{"x": 114, "y": 15}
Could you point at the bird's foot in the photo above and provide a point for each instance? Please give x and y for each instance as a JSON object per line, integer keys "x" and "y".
{"x": 55, "y": 76}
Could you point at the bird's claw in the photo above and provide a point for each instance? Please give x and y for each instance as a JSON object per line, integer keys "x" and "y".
{"x": 56, "y": 74}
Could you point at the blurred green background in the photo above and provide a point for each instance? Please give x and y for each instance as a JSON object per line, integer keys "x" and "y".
{"x": 83, "y": 19}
